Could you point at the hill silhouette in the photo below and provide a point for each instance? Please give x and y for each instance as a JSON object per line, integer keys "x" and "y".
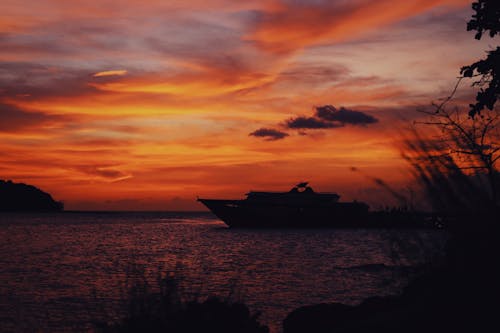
{"x": 19, "y": 197}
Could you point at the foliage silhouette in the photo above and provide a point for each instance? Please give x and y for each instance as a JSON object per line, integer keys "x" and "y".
{"x": 458, "y": 171}
{"x": 486, "y": 18}
{"x": 165, "y": 310}
{"x": 457, "y": 165}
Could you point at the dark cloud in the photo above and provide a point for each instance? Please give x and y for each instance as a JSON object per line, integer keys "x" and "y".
{"x": 310, "y": 123}
{"x": 269, "y": 133}
{"x": 13, "y": 119}
{"x": 344, "y": 116}
{"x": 326, "y": 117}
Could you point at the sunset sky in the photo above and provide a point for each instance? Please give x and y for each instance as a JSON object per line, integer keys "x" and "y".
{"x": 140, "y": 105}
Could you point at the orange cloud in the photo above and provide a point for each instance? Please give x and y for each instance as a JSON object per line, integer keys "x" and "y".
{"x": 119, "y": 72}
{"x": 199, "y": 78}
{"x": 294, "y": 26}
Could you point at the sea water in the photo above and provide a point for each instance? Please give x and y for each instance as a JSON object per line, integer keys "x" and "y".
{"x": 66, "y": 271}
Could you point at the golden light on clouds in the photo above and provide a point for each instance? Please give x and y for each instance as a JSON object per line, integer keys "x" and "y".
{"x": 130, "y": 108}
{"x": 119, "y": 72}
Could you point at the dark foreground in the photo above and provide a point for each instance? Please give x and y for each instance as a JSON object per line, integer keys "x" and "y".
{"x": 459, "y": 295}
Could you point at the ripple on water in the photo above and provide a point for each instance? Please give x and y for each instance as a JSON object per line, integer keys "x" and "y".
{"x": 60, "y": 271}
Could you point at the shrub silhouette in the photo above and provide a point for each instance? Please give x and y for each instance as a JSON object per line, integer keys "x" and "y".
{"x": 165, "y": 311}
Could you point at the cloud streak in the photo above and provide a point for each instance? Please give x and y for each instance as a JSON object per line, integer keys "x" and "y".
{"x": 14, "y": 119}
{"x": 292, "y": 26}
{"x": 118, "y": 72}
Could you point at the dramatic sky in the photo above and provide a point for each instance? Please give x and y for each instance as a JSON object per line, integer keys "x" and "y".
{"x": 145, "y": 104}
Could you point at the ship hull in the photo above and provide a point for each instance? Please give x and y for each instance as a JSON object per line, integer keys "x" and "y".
{"x": 245, "y": 214}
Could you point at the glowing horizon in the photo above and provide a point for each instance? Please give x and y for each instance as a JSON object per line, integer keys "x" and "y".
{"x": 148, "y": 104}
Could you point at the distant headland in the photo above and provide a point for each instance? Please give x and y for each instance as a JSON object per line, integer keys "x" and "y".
{"x": 19, "y": 197}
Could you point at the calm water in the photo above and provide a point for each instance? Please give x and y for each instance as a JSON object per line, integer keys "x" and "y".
{"x": 58, "y": 272}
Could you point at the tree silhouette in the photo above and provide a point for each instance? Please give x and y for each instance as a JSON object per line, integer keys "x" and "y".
{"x": 458, "y": 164}
{"x": 485, "y": 19}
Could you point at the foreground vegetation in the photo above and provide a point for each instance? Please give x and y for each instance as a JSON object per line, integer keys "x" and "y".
{"x": 164, "y": 310}
{"x": 457, "y": 169}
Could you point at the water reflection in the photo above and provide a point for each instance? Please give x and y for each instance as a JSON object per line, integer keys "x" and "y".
{"x": 57, "y": 271}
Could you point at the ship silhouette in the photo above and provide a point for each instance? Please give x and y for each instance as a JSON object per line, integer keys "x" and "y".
{"x": 300, "y": 207}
